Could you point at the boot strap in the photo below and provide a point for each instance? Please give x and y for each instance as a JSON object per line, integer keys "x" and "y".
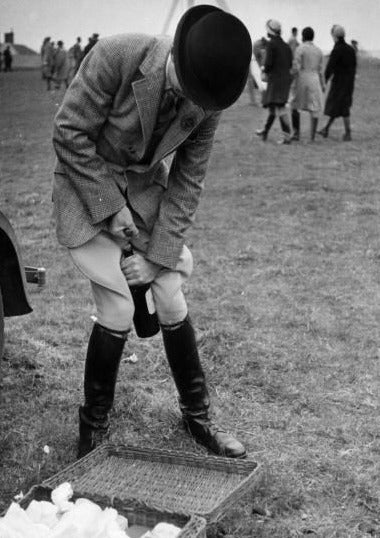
{"x": 123, "y": 335}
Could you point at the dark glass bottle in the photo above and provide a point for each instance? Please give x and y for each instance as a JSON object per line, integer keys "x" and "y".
{"x": 145, "y": 317}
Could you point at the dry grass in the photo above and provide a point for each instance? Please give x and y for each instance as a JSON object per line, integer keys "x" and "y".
{"x": 285, "y": 297}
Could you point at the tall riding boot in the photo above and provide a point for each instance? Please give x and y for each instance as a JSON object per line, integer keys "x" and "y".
{"x": 296, "y": 120}
{"x": 104, "y": 352}
{"x": 313, "y": 128}
{"x": 285, "y": 126}
{"x": 182, "y": 353}
{"x": 347, "y": 128}
{"x": 263, "y": 133}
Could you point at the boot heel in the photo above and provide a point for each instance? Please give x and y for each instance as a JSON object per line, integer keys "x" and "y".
{"x": 91, "y": 434}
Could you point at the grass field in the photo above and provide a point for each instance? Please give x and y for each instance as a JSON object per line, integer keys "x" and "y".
{"x": 285, "y": 297}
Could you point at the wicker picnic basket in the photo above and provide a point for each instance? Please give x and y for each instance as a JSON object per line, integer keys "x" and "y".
{"x": 148, "y": 486}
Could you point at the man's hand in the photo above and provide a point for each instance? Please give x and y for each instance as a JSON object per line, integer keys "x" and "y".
{"x": 137, "y": 270}
{"x": 122, "y": 224}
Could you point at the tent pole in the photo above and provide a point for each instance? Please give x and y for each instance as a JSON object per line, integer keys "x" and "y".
{"x": 170, "y": 16}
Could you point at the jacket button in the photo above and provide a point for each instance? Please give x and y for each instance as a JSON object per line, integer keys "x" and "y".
{"x": 187, "y": 123}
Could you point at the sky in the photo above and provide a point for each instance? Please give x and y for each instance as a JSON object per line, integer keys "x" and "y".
{"x": 32, "y": 20}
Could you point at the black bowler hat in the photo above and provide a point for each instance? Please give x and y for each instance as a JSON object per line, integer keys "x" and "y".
{"x": 212, "y": 52}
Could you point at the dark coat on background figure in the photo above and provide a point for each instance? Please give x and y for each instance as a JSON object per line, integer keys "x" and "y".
{"x": 342, "y": 68}
{"x": 7, "y": 55}
{"x": 278, "y": 63}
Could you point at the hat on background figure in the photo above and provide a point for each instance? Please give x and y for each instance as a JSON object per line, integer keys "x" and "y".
{"x": 273, "y": 27}
{"x": 212, "y": 51}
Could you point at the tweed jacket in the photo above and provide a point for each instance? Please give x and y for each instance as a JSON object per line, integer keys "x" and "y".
{"x": 101, "y": 134}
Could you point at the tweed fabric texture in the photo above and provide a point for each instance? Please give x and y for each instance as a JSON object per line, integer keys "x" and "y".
{"x": 102, "y": 132}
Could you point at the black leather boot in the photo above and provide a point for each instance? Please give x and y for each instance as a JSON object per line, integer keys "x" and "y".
{"x": 104, "y": 352}
{"x": 182, "y": 353}
{"x": 263, "y": 133}
{"x": 325, "y": 131}
{"x": 296, "y": 123}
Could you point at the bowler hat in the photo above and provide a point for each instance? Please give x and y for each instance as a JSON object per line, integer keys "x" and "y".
{"x": 212, "y": 52}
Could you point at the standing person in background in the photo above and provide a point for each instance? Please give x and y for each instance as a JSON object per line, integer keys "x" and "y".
{"x": 8, "y": 58}
{"x": 254, "y": 78}
{"x": 43, "y": 54}
{"x": 74, "y": 55}
{"x": 277, "y": 67}
{"x": 295, "y": 116}
{"x": 48, "y": 62}
{"x": 77, "y": 54}
{"x": 355, "y": 45}
{"x": 258, "y": 60}
{"x": 135, "y": 101}
{"x": 92, "y": 40}
{"x": 259, "y": 48}
{"x": 341, "y": 68}
{"x": 293, "y": 41}
{"x": 309, "y": 84}
{"x": 61, "y": 66}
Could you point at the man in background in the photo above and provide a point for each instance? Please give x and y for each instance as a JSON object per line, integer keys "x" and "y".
{"x": 293, "y": 41}
{"x": 77, "y": 53}
{"x": 8, "y": 58}
{"x": 92, "y": 40}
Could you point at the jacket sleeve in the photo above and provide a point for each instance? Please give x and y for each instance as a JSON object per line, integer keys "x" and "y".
{"x": 181, "y": 199}
{"x": 331, "y": 64}
{"x": 77, "y": 124}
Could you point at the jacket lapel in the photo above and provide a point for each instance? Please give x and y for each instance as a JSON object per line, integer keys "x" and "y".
{"x": 188, "y": 117}
{"x": 148, "y": 89}
{"x": 147, "y": 93}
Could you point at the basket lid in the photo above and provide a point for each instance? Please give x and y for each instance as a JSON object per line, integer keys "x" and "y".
{"x": 163, "y": 480}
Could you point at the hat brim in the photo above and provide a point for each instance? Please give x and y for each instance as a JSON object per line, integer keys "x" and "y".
{"x": 190, "y": 84}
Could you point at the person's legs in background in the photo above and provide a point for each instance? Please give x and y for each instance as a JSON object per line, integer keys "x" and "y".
{"x": 313, "y": 125}
{"x": 325, "y": 131}
{"x": 263, "y": 133}
{"x": 285, "y": 124}
{"x": 347, "y": 129}
{"x": 296, "y": 124}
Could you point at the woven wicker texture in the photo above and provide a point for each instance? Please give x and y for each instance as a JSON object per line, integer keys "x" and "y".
{"x": 182, "y": 484}
{"x": 191, "y": 527}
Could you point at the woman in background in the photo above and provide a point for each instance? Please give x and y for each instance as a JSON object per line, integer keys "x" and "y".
{"x": 341, "y": 67}
{"x": 308, "y": 66}
{"x": 61, "y": 66}
{"x": 277, "y": 66}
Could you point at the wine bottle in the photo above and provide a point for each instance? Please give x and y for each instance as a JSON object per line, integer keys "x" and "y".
{"x": 145, "y": 317}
